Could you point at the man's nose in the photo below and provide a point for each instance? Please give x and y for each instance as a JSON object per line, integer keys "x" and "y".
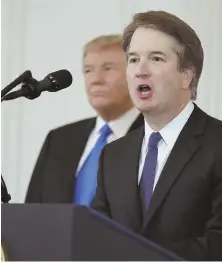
{"x": 142, "y": 69}
{"x": 96, "y": 78}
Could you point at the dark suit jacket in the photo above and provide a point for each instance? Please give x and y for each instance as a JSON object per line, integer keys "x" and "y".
{"x": 185, "y": 213}
{"x": 53, "y": 177}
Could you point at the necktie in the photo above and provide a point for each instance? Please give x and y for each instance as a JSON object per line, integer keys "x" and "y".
{"x": 149, "y": 170}
{"x": 86, "y": 180}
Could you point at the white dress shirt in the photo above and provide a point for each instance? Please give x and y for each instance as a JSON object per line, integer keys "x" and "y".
{"x": 169, "y": 135}
{"x": 119, "y": 127}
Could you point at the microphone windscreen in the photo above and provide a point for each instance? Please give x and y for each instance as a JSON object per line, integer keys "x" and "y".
{"x": 62, "y": 77}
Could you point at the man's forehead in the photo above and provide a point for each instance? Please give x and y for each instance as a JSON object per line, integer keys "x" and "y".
{"x": 102, "y": 58}
{"x": 151, "y": 40}
{"x": 104, "y": 52}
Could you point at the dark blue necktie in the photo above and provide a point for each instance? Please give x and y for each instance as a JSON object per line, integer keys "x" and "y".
{"x": 86, "y": 180}
{"x": 149, "y": 170}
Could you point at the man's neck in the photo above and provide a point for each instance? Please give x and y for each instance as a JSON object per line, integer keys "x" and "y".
{"x": 159, "y": 121}
{"x": 110, "y": 115}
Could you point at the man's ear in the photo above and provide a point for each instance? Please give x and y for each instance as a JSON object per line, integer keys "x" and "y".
{"x": 188, "y": 75}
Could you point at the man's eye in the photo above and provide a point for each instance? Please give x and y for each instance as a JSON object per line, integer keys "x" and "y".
{"x": 157, "y": 59}
{"x": 133, "y": 60}
{"x": 86, "y": 71}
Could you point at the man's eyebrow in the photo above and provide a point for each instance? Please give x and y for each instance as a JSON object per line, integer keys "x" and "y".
{"x": 132, "y": 53}
{"x": 108, "y": 63}
{"x": 104, "y": 64}
{"x": 158, "y": 53}
{"x": 150, "y": 53}
{"x": 88, "y": 65}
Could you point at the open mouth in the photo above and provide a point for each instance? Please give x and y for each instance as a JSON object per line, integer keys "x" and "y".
{"x": 144, "y": 89}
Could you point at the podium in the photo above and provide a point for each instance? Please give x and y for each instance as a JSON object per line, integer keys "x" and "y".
{"x": 62, "y": 232}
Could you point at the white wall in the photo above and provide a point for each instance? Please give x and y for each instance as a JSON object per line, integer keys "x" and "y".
{"x": 48, "y": 35}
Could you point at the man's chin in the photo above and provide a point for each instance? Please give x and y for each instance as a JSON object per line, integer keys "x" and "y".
{"x": 98, "y": 106}
{"x": 146, "y": 109}
{"x": 143, "y": 107}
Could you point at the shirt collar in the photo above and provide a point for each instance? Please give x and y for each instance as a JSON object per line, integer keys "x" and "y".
{"x": 172, "y": 130}
{"x": 121, "y": 125}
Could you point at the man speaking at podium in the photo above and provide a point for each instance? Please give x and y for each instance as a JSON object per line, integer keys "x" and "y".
{"x": 164, "y": 180}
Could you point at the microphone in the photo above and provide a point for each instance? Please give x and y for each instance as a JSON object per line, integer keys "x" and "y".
{"x": 32, "y": 88}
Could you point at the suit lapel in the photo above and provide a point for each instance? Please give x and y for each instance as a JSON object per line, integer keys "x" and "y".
{"x": 137, "y": 123}
{"x": 129, "y": 180}
{"x": 182, "y": 153}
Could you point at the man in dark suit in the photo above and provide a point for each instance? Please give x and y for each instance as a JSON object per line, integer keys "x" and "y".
{"x": 164, "y": 180}
{"x": 66, "y": 169}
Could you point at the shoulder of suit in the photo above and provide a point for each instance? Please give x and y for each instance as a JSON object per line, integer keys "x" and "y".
{"x": 214, "y": 121}
{"x": 211, "y": 121}
{"x": 214, "y": 129}
{"x": 78, "y": 125}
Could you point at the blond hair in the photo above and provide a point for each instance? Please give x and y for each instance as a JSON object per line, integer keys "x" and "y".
{"x": 103, "y": 42}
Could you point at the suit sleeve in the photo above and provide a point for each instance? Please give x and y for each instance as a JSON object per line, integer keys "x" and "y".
{"x": 100, "y": 202}
{"x": 208, "y": 247}
{"x": 34, "y": 191}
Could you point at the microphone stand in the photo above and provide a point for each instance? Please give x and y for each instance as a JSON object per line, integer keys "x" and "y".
{"x": 5, "y": 196}
{"x": 27, "y": 74}
{"x": 4, "y": 192}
